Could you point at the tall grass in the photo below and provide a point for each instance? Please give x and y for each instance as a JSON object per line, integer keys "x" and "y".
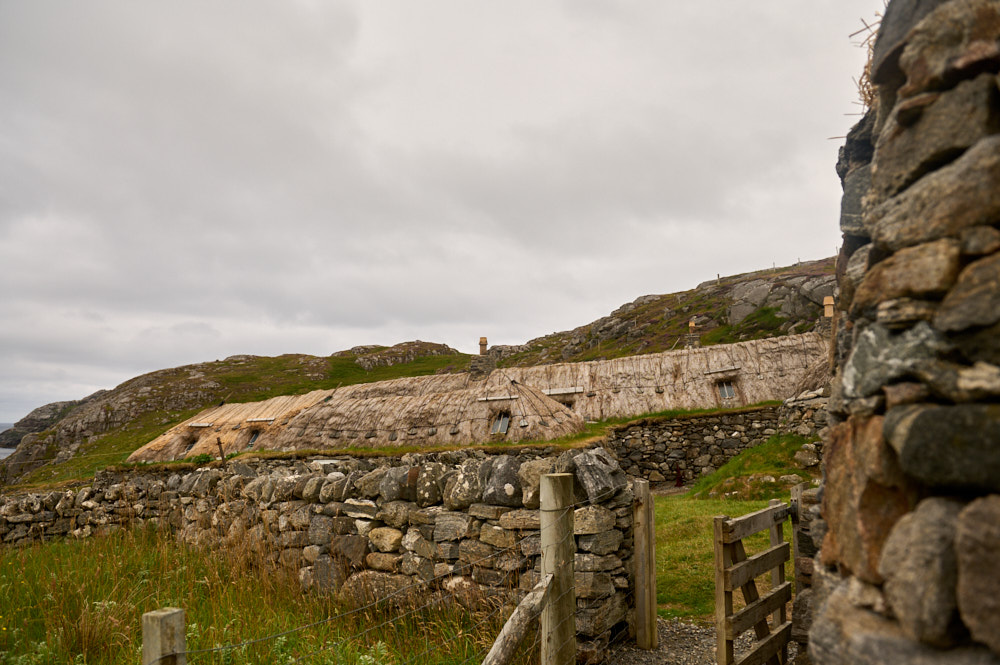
{"x": 80, "y": 602}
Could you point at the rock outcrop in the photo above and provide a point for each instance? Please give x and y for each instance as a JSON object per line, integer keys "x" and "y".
{"x": 910, "y": 521}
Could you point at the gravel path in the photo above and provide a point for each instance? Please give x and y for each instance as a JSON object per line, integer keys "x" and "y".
{"x": 679, "y": 643}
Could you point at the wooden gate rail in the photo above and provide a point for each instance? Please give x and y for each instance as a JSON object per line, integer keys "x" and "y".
{"x": 735, "y": 570}
{"x": 517, "y": 625}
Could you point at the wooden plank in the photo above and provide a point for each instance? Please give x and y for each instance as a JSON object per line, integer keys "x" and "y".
{"x": 750, "y": 595}
{"x": 558, "y": 621}
{"x": 517, "y": 625}
{"x": 723, "y": 595}
{"x": 740, "y": 527}
{"x": 562, "y": 391}
{"x": 778, "y": 578}
{"x": 768, "y": 649}
{"x": 757, "y": 611}
{"x": 758, "y": 564}
{"x": 645, "y": 565}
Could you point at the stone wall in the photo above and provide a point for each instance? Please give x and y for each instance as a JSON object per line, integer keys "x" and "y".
{"x": 911, "y": 503}
{"x": 459, "y": 522}
{"x": 694, "y": 445}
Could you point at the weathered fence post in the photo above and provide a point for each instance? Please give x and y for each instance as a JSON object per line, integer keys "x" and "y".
{"x": 724, "y": 654}
{"x": 163, "y": 637}
{"x": 796, "y": 503}
{"x": 644, "y": 531}
{"x": 779, "y": 616}
{"x": 558, "y": 620}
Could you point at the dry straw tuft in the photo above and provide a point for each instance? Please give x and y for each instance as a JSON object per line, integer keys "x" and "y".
{"x": 866, "y": 39}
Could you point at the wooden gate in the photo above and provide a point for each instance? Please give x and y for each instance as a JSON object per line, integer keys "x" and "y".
{"x": 735, "y": 570}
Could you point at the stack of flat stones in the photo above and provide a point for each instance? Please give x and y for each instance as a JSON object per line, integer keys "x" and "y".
{"x": 907, "y": 571}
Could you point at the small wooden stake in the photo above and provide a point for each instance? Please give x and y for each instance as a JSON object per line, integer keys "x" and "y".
{"x": 163, "y": 641}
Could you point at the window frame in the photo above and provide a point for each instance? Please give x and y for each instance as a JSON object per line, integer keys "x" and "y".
{"x": 725, "y": 386}
{"x": 501, "y": 423}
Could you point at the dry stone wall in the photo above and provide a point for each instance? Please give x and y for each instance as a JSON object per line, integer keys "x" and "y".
{"x": 464, "y": 523}
{"x": 657, "y": 449}
{"x": 911, "y": 503}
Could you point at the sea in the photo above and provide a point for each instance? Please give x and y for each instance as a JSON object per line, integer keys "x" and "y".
{"x": 5, "y": 451}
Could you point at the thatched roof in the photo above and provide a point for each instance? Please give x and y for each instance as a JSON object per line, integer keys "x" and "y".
{"x": 426, "y": 411}
{"x": 232, "y": 424}
{"x": 759, "y": 370}
{"x": 544, "y": 402}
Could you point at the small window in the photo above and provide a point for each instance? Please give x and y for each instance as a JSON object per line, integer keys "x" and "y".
{"x": 726, "y": 389}
{"x": 501, "y": 424}
{"x": 254, "y": 435}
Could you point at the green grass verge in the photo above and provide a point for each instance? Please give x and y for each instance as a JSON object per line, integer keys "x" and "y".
{"x": 746, "y": 475}
{"x": 80, "y": 603}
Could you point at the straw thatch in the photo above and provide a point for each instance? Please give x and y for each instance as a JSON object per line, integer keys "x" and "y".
{"x": 758, "y": 371}
{"x": 425, "y": 411}
{"x": 417, "y": 412}
{"x": 542, "y": 403}
{"x": 232, "y": 424}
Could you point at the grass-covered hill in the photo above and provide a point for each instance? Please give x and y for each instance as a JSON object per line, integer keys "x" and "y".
{"x": 71, "y": 440}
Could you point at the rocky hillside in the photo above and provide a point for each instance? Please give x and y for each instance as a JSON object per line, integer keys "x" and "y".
{"x": 72, "y": 439}
{"x": 39, "y": 420}
{"x": 766, "y": 303}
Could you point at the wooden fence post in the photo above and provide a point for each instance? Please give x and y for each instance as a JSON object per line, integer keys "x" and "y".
{"x": 558, "y": 620}
{"x": 163, "y": 637}
{"x": 723, "y": 599}
{"x": 796, "y": 519}
{"x": 644, "y": 530}
{"x": 779, "y": 617}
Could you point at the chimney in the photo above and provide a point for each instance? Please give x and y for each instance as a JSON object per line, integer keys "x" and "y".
{"x": 482, "y": 346}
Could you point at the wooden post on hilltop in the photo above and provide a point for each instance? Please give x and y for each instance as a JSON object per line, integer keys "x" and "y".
{"x": 163, "y": 637}
{"x": 645, "y": 565}
{"x": 558, "y": 620}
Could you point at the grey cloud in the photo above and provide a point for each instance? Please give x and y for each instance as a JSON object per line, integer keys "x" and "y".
{"x": 186, "y": 181}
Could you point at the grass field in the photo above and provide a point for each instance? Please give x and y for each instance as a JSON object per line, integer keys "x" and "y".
{"x": 80, "y": 603}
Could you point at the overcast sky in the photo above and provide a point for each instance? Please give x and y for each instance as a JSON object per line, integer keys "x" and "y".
{"x": 184, "y": 181}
